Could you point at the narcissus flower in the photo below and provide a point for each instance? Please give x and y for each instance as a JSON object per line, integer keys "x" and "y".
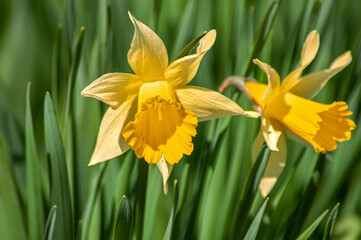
{"x": 153, "y": 111}
{"x": 287, "y": 108}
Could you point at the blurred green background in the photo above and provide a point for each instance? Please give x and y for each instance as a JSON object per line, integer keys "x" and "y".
{"x": 46, "y": 140}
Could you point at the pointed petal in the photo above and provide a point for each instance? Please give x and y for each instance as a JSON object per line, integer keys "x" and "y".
{"x": 271, "y": 133}
{"x": 147, "y": 56}
{"x": 208, "y": 104}
{"x": 310, "y": 48}
{"x": 165, "y": 169}
{"x": 257, "y": 144}
{"x": 110, "y": 142}
{"x": 113, "y": 88}
{"x": 309, "y": 51}
{"x": 274, "y": 167}
{"x": 182, "y": 71}
{"x": 272, "y": 76}
{"x": 309, "y": 85}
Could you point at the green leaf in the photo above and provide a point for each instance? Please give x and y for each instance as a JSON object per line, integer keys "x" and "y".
{"x": 190, "y": 46}
{"x": 56, "y": 64}
{"x": 250, "y": 191}
{"x": 330, "y": 222}
{"x": 11, "y": 221}
{"x": 73, "y": 72}
{"x": 168, "y": 232}
{"x": 262, "y": 35}
{"x": 91, "y": 201}
{"x": 123, "y": 223}
{"x": 36, "y": 219}
{"x": 60, "y": 191}
{"x": 306, "y": 234}
{"x": 50, "y": 224}
{"x": 253, "y": 230}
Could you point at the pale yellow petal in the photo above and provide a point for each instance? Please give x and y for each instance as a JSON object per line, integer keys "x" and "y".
{"x": 182, "y": 71}
{"x": 147, "y": 56}
{"x": 309, "y": 85}
{"x": 165, "y": 169}
{"x": 257, "y": 144}
{"x": 309, "y": 51}
{"x": 208, "y": 104}
{"x": 113, "y": 88}
{"x": 310, "y": 48}
{"x": 271, "y": 133}
{"x": 272, "y": 76}
{"x": 274, "y": 167}
{"x": 110, "y": 142}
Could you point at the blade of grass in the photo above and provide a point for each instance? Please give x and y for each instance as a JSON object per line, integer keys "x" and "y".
{"x": 50, "y": 225}
{"x": 60, "y": 191}
{"x": 91, "y": 201}
{"x": 250, "y": 191}
{"x": 124, "y": 221}
{"x": 306, "y": 234}
{"x": 11, "y": 224}
{"x": 262, "y": 34}
{"x": 168, "y": 232}
{"x": 34, "y": 187}
{"x": 187, "y": 49}
{"x": 73, "y": 72}
{"x": 330, "y": 222}
{"x": 253, "y": 229}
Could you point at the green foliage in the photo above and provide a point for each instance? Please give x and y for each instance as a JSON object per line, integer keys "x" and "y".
{"x": 45, "y": 145}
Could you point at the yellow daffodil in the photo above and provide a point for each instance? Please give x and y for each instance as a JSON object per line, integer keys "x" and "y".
{"x": 153, "y": 111}
{"x": 287, "y": 108}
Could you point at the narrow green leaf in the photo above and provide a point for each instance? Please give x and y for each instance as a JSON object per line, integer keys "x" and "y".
{"x": 250, "y": 191}
{"x": 183, "y": 29}
{"x": 253, "y": 230}
{"x": 256, "y": 173}
{"x": 33, "y": 171}
{"x": 262, "y": 34}
{"x": 330, "y": 222}
{"x": 91, "y": 202}
{"x": 60, "y": 191}
{"x": 50, "y": 224}
{"x": 168, "y": 232}
{"x": 56, "y": 62}
{"x": 190, "y": 46}
{"x": 123, "y": 223}
{"x": 73, "y": 72}
{"x": 11, "y": 220}
{"x": 306, "y": 234}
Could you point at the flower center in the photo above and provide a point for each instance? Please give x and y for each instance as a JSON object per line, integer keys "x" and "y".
{"x": 161, "y": 125}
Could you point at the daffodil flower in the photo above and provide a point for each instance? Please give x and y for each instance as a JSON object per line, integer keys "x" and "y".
{"x": 153, "y": 111}
{"x": 287, "y": 108}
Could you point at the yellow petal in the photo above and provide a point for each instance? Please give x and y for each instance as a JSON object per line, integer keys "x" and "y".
{"x": 274, "y": 167}
{"x": 165, "y": 169}
{"x": 182, "y": 71}
{"x": 257, "y": 92}
{"x": 161, "y": 126}
{"x": 309, "y": 85}
{"x": 110, "y": 142}
{"x": 257, "y": 144}
{"x": 310, "y": 48}
{"x": 113, "y": 88}
{"x": 309, "y": 51}
{"x": 271, "y": 132}
{"x": 208, "y": 104}
{"x": 321, "y": 125}
{"x": 273, "y": 79}
{"x": 147, "y": 56}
